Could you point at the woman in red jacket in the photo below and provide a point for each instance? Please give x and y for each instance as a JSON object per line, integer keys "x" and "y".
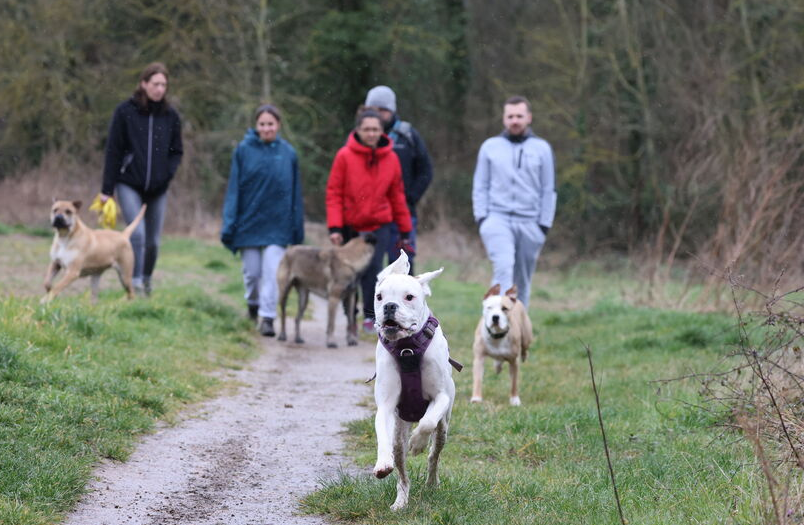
{"x": 365, "y": 194}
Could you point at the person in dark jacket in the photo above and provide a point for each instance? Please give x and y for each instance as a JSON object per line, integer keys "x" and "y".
{"x": 263, "y": 212}
{"x": 417, "y": 170}
{"x": 143, "y": 152}
{"x": 365, "y": 194}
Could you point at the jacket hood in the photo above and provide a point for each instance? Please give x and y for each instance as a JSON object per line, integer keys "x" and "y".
{"x": 384, "y": 147}
{"x": 152, "y": 108}
{"x": 253, "y": 138}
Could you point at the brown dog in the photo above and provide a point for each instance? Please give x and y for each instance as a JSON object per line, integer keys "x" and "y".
{"x": 331, "y": 273}
{"x": 504, "y": 333}
{"x": 81, "y": 251}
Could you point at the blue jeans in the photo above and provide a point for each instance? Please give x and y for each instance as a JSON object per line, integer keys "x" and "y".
{"x": 146, "y": 237}
{"x": 368, "y": 281}
{"x": 393, "y": 252}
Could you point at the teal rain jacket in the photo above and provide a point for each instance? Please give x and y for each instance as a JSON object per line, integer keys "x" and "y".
{"x": 263, "y": 204}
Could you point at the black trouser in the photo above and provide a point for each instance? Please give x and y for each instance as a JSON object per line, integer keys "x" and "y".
{"x": 368, "y": 280}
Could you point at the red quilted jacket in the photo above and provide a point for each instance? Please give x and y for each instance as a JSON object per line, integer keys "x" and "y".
{"x": 365, "y": 188}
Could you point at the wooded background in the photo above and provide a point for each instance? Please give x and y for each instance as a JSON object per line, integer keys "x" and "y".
{"x": 676, "y": 124}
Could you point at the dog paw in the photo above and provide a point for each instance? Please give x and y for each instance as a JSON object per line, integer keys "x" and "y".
{"x": 332, "y": 345}
{"x": 399, "y": 504}
{"x": 299, "y": 341}
{"x": 476, "y": 399}
{"x": 380, "y": 471}
{"x": 515, "y": 402}
{"x": 432, "y": 481}
{"x": 281, "y": 337}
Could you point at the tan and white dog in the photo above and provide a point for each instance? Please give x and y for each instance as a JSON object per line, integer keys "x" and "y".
{"x": 403, "y": 317}
{"x": 504, "y": 333}
{"x": 81, "y": 251}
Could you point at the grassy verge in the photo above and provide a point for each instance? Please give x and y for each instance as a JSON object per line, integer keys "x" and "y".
{"x": 544, "y": 462}
{"x": 79, "y": 382}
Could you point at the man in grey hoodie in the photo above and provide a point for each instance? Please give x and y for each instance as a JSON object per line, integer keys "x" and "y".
{"x": 514, "y": 198}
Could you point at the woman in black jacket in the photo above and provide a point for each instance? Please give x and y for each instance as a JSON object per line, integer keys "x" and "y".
{"x": 143, "y": 152}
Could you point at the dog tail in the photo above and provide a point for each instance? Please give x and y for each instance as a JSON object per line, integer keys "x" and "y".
{"x": 131, "y": 227}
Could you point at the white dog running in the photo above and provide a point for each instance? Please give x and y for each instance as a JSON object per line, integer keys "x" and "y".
{"x": 414, "y": 379}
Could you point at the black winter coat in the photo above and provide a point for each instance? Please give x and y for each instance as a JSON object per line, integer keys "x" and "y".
{"x": 143, "y": 149}
{"x": 417, "y": 170}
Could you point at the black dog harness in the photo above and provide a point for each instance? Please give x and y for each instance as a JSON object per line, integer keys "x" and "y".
{"x": 407, "y": 353}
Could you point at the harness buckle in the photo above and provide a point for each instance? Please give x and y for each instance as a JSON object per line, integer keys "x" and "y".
{"x": 409, "y": 352}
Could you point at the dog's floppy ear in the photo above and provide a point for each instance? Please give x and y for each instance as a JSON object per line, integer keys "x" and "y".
{"x": 494, "y": 290}
{"x": 77, "y": 205}
{"x": 511, "y": 292}
{"x": 401, "y": 265}
{"x": 425, "y": 278}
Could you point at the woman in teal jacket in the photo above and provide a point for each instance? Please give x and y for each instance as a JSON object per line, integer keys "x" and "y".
{"x": 263, "y": 212}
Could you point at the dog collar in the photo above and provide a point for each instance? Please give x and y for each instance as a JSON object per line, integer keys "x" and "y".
{"x": 496, "y": 336}
{"x": 408, "y": 352}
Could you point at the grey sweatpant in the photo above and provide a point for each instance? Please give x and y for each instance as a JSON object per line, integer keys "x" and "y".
{"x": 513, "y": 245}
{"x": 259, "y": 277}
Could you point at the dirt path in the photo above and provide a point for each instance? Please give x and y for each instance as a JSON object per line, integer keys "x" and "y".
{"x": 245, "y": 458}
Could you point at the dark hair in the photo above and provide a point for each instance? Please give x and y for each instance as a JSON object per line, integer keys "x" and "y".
{"x": 518, "y": 100}
{"x": 140, "y": 97}
{"x": 364, "y": 114}
{"x": 268, "y": 108}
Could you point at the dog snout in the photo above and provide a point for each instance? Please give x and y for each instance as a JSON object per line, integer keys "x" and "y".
{"x": 389, "y": 309}
{"x": 59, "y": 221}
{"x": 495, "y": 319}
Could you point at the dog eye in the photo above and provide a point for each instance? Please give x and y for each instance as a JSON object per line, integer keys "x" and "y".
{"x": 409, "y": 297}
{"x": 504, "y": 308}
{"x": 379, "y": 297}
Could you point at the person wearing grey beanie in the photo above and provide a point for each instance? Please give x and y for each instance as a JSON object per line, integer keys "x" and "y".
{"x": 381, "y": 97}
{"x": 417, "y": 169}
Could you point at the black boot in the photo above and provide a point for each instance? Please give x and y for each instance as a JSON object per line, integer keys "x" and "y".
{"x": 267, "y": 327}
{"x": 252, "y": 311}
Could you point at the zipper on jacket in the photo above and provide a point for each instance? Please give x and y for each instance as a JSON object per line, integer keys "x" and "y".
{"x": 150, "y": 152}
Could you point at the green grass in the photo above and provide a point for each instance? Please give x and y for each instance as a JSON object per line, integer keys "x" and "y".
{"x": 34, "y": 231}
{"x": 544, "y": 462}
{"x": 79, "y": 382}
